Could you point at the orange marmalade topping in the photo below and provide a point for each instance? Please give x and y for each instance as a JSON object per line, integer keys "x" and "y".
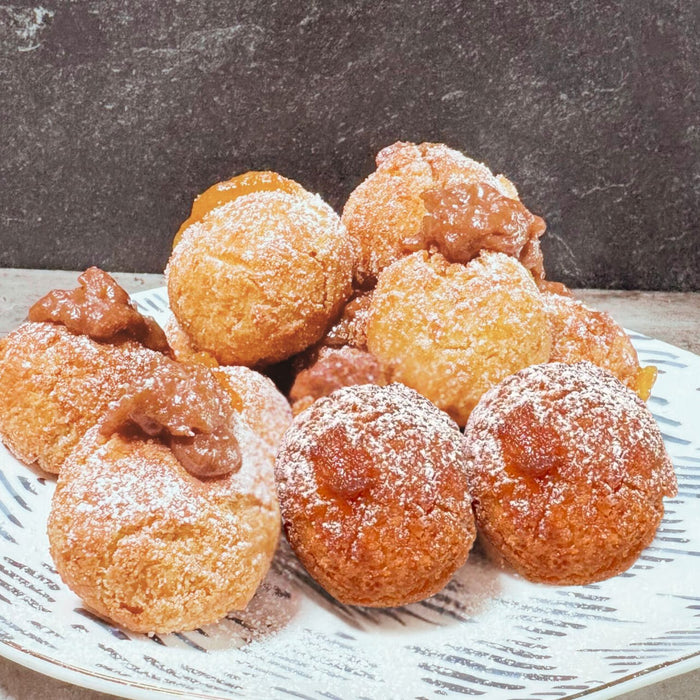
{"x": 228, "y": 190}
{"x": 186, "y": 408}
{"x": 530, "y": 446}
{"x": 344, "y": 471}
{"x": 644, "y": 381}
{"x": 100, "y": 309}
{"x": 466, "y": 218}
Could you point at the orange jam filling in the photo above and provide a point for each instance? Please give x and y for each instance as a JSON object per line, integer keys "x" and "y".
{"x": 646, "y": 376}
{"x": 228, "y": 190}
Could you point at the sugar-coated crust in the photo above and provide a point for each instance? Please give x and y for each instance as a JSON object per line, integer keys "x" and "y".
{"x": 452, "y": 331}
{"x": 580, "y": 333}
{"x": 55, "y": 385}
{"x": 351, "y": 327}
{"x": 386, "y": 209}
{"x": 374, "y": 496}
{"x": 568, "y": 471}
{"x": 261, "y": 405}
{"x": 153, "y": 548}
{"x": 260, "y": 278}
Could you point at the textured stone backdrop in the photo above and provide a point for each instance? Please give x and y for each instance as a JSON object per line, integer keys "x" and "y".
{"x": 115, "y": 114}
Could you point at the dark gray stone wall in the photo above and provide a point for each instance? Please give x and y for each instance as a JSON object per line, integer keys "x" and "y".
{"x": 115, "y": 114}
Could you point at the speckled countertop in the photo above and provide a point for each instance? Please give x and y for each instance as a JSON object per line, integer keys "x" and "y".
{"x": 672, "y": 317}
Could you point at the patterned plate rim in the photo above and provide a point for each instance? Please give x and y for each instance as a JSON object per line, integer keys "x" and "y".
{"x": 141, "y": 691}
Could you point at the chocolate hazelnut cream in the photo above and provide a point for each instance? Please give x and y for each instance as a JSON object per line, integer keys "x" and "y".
{"x": 466, "y": 218}
{"x": 100, "y": 309}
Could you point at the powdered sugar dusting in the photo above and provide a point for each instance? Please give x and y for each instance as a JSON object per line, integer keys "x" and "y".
{"x": 374, "y": 496}
{"x": 54, "y": 385}
{"x": 451, "y": 331}
{"x": 151, "y": 484}
{"x": 404, "y": 428}
{"x": 385, "y": 212}
{"x": 566, "y": 454}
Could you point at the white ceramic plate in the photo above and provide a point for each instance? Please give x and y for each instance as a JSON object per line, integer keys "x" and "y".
{"x": 488, "y": 633}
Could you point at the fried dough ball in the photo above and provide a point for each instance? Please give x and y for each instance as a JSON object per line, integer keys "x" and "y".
{"x": 568, "y": 470}
{"x": 580, "y": 333}
{"x": 261, "y": 277}
{"x": 428, "y": 196}
{"x": 147, "y": 544}
{"x": 374, "y": 496}
{"x": 58, "y": 373}
{"x": 452, "y": 331}
{"x": 257, "y": 399}
{"x": 331, "y": 369}
{"x": 54, "y": 385}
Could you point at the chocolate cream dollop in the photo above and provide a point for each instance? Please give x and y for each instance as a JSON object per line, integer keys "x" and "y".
{"x": 100, "y": 309}
{"x": 466, "y": 218}
{"x": 187, "y": 409}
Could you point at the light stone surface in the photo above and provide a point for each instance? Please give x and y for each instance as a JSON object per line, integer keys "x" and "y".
{"x": 672, "y": 317}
